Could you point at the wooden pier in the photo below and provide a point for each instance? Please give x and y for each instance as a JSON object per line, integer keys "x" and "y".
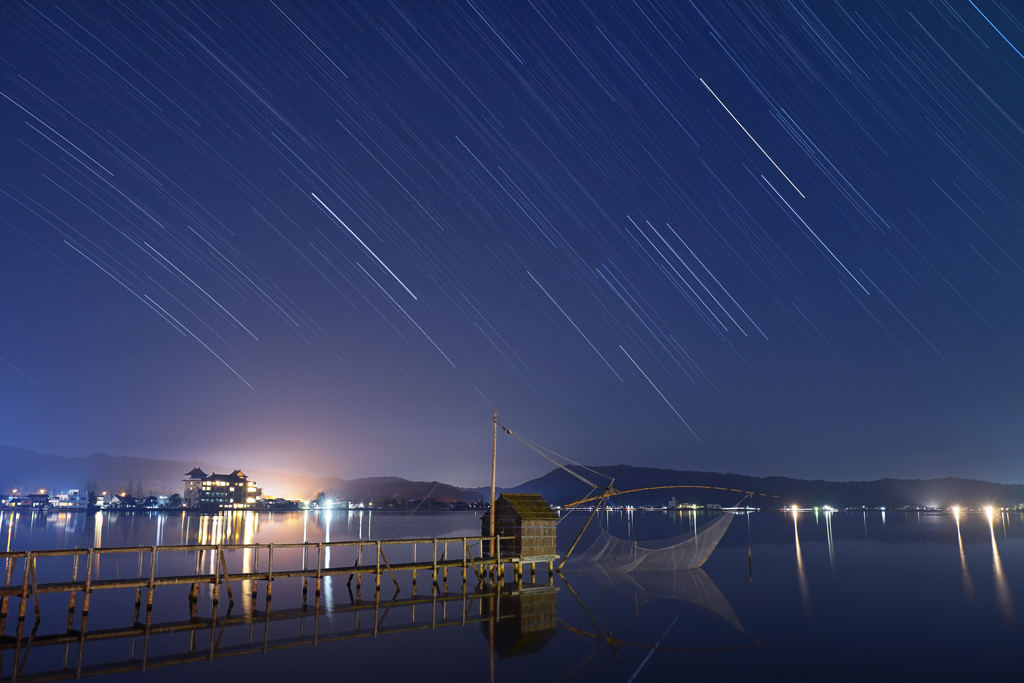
{"x": 217, "y": 575}
{"x": 306, "y": 561}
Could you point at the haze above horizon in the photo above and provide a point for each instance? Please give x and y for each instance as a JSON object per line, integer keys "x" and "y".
{"x": 772, "y": 240}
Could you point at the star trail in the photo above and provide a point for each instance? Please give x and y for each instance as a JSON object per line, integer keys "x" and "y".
{"x": 765, "y": 238}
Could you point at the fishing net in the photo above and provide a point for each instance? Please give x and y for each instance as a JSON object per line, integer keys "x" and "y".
{"x": 686, "y": 551}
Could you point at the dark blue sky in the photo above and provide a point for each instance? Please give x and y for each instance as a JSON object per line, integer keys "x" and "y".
{"x": 765, "y": 238}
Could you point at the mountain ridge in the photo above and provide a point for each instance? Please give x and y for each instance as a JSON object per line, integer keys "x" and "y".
{"x": 28, "y": 470}
{"x": 561, "y": 487}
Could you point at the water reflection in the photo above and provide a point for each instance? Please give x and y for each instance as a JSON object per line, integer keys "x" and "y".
{"x": 328, "y": 581}
{"x": 1004, "y": 598}
{"x": 642, "y": 587}
{"x": 11, "y": 526}
{"x": 249, "y": 521}
{"x": 906, "y": 568}
{"x": 801, "y": 574}
{"x": 964, "y": 573}
{"x": 831, "y": 545}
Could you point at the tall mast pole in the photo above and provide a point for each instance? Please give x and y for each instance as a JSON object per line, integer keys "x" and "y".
{"x": 494, "y": 464}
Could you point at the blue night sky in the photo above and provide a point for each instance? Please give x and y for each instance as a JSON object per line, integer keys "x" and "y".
{"x": 765, "y": 238}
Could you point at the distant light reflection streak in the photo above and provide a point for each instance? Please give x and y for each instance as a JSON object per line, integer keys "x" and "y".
{"x": 328, "y": 586}
{"x": 801, "y": 574}
{"x": 831, "y": 546}
{"x": 968, "y": 583}
{"x": 249, "y": 520}
{"x": 1004, "y": 598}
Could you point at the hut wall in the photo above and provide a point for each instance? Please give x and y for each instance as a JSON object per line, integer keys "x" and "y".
{"x": 523, "y": 537}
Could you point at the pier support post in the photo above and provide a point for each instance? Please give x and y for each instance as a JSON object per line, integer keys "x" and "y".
{"x": 377, "y": 577}
{"x": 88, "y": 587}
{"x": 270, "y": 572}
{"x": 319, "y": 565}
{"x": 152, "y": 588}
{"x": 24, "y": 591}
{"x": 305, "y": 579}
{"x": 9, "y": 574}
{"x": 216, "y": 579}
{"x": 414, "y": 572}
{"x": 138, "y": 590}
{"x": 71, "y": 597}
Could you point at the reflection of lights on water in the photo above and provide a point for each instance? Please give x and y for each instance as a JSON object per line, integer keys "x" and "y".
{"x": 204, "y": 530}
{"x": 831, "y": 546}
{"x": 11, "y": 526}
{"x": 801, "y": 574}
{"x": 1004, "y": 598}
{"x": 328, "y": 586}
{"x": 97, "y": 529}
{"x": 249, "y": 519}
{"x": 964, "y": 573}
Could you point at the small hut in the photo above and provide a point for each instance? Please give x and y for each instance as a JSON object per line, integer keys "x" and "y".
{"x": 526, "y": 524}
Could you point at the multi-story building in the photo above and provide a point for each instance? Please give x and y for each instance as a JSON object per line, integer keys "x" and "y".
{"x": 75, "y": 499}
{"x": 220, "y": 491}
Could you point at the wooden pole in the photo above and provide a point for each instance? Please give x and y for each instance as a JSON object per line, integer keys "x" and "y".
{"x": 152, "y": 587}
{"x": 71, "y": 598}
{"x": 593, "y": 512}
{"x": 494, "y": 464}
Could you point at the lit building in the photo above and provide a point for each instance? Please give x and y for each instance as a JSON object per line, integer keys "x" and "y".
{"x": 75, "y": 499}
{"x": 220, "y": 491}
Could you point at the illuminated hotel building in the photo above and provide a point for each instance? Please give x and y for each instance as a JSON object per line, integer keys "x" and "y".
{"x": 220, "y": 491}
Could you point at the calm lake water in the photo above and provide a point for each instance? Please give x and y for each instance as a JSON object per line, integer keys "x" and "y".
{"x": 842, "y": 596}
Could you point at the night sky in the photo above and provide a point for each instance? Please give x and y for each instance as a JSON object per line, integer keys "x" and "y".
{"x": 764, "y": 238}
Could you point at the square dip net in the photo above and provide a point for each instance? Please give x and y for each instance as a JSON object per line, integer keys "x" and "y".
{"x": 686, "y": 551}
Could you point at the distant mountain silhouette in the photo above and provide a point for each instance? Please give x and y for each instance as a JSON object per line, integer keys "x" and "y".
{"x": 560, "y": 487}
{"x": 27, "y": 471}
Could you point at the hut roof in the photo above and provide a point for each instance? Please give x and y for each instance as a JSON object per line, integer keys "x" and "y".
{"x": 530, "y": 505}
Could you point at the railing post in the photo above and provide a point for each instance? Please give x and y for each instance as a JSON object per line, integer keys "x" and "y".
{"x": 138, "y": 589}
{"x": 377, "y": 575}
{"x": 35, "y": 592}
{"x": 414, "y": 572}
{"x": 255, "y": 567}
{"x": 305, "y": 579}
{"x": 88, "y": 586}
{"x": 152, "y": 583}
{"x": 9, "y": 562}
{"x": 359, "y": 575}
{"x": 444, "y": 554}
{"x": 227, "y": 578}
{"x": 433, "y": 577}
{"x": 71, "y": 598}
{"x": 270, "y": 572}
{"x": 216, "y": 577}
{"x": 319, "y": 566}
{"x": 24, "y": 589}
